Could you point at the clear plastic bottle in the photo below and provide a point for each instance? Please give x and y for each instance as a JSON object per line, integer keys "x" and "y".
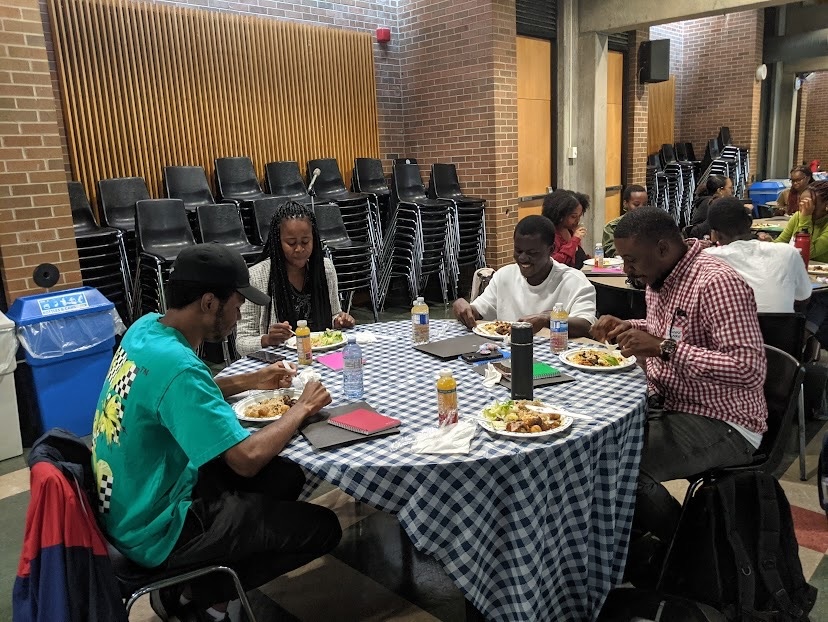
{"x": 419, "y": 321}
{"x": 598, "y": 256}
{"x": 446, "y": 398}
{"x": 303, "y": 343}
{"x": 352, "y": 387}
{"x": 558, "y": 328}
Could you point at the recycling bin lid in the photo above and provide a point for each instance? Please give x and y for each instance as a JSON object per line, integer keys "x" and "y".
{"x": 53, "y": 305}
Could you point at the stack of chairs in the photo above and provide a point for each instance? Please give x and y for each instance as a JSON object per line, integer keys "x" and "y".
{"x": 415, "y": 243}
{"x": 353, "y": 260}
{"x": 466, "y": 242}
{"x": 102, "y": 254}
{"x": 368, "y": 177}
{"x": 236, "y": 182}
{"x": 222, "y": 223}
{"x": 189, "y": 184}
{"x": 656, "y": 183}
{"x": 681, "y": 184}
{"x": 360, "y": 212}
{"x": 116, "y": 207}
{"x": 723, "y": 158}
{"x": 285, "y": 180}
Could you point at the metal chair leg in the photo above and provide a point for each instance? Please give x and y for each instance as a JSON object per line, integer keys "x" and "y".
{"x": 802, "y": 441}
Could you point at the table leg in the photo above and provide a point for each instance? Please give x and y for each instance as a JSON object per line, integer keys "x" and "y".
{"x": 472, "y": 614}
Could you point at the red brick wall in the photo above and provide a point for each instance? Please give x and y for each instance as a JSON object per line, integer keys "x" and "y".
{"x": 459, "y": 97}
{"x": 35, "y": 220}
{"x": 816, "y": 126}
{"x": 635, "y": 108}
{"x": 801, "y": 121}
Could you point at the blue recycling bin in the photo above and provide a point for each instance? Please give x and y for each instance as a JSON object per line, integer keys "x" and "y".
{"x": 68, "y": 340}
{"x": 763, "y": 192}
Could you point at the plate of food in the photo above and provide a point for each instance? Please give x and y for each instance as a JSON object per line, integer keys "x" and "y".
{"x": 612, "y": 262}
{"x": 498, "y": 329}
{"x": 523, "y": 419}
{"x": 265, "y": 406}
{"x": 595, "y": 359}
{"x": 818, "y": 269}
{"x": 322, "y": 341}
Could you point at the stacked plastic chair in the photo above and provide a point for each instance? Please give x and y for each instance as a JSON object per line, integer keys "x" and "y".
{"x": 681, "y": 184}
{"x": 189, "y": 184}
{"x": 368, "y": 177}
{"x": 116, "y": 202}
{"x": 222, "y": 223}
{"x": 102, "y": 253}
{"x": 415, "y": 243}
{"x": 723, "y": 158}
{"x": 466, "y": 243}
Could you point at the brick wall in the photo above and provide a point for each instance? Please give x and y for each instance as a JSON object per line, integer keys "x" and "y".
{"x": 35, "y": 220}
{"x": 459, "y": 96}
{"x": 675, "y": 33}
{"x": 801, "y": 121}
{"x": 816, "y": 126}
{"x": 635, "y": 107}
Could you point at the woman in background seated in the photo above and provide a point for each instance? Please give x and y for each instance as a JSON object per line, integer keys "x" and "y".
{"x": 565, "y": 209}
{"x": 717, "y": 186}
{"x": 299, "y": 279}
{"x": 813, "y": 216}
{"x": 788, "y": 200}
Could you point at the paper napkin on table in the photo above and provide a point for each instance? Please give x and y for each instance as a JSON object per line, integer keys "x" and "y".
{"x": 450, "y": 439}
{"x": 305, "y": 376}
{"x": 365, "y": 337}
{"x": 492, "y": 376}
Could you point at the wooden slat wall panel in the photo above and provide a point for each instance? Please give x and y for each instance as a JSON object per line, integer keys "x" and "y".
{"x": 147, "y": 86}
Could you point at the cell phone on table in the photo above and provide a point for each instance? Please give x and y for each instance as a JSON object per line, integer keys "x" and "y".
{"x": 266, "y": 356}
{"x": 478, "y": 357}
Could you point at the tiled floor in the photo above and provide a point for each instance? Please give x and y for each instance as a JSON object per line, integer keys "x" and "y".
{"x": 375, "y": 574}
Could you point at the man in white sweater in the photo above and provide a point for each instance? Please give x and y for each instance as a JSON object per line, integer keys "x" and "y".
{"x": 528, "y": 289}
{"x": 775, "y": 272}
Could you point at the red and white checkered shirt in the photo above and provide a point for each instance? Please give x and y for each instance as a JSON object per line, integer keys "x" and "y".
{"x": 719, "y": 366}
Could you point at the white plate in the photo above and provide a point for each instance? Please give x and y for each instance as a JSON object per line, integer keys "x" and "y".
{"x": 478, "y": 330}
{"x": 291, "y": 343}
{"x": 610, "y": 262}
{"x": 242, "y": 405}
{"x": 567, "y": 422}
{"x": 565, "y": 356}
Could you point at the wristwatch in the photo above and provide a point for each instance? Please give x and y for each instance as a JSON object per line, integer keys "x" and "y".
{"x": 667, "y": 348}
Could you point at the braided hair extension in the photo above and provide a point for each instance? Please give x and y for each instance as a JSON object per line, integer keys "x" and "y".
{"x": 278, "y": 285}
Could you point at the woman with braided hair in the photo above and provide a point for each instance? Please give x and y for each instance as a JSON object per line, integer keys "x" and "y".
{"x": 300, "y": 280}
{"x": 813, "y": 216}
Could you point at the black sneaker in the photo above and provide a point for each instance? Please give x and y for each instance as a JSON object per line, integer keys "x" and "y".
{"x": 166, "y": 603}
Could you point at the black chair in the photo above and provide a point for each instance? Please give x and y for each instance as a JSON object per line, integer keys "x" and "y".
{"x": 188, "y": 183}
{"x": 783, "y": 385}
{"x": 222, "y": 223}
{"x": 236, "y": 179}
{"x": 263, "y": 213}
{"x": 404, "y": 161}
{"x": 285, "y": 180}
{"x": 786, "y": 331}
{"x": 329, "y": 185}
{"x": 117, "y": 198}
{"x": 163, "y": 230}
{"x": 367, "y": 176}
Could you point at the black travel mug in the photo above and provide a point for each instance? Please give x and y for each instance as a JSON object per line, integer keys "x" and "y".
{"x": 521, "y": 361}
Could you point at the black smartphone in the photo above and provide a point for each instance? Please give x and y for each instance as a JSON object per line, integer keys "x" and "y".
{"x": 266, "y": 356}
{"x": 477, "y": 357}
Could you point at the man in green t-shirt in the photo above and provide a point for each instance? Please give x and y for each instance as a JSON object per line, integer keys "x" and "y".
{"x": 634, "y": 196}
{"x": 180, "y": 481}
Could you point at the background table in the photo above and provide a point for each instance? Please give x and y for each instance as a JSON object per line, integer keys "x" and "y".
{"x": 534, "y": 529}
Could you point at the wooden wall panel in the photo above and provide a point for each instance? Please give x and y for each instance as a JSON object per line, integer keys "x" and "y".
{"x": 534, "y": 81}
{"x": 661, "y": 114}
{"x": 615, "y": 112}
{"x": 145, "y": 86}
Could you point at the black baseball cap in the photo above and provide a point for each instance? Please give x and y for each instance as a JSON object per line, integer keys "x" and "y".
{"x": 216, "y": 264}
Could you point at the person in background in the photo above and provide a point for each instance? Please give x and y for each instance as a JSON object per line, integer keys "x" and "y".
{"x": 181, "y": 483}
{"x": 301, "y": 281}
{"x": 528, "y": 289}
{"x": 565, "y": 210}
{"x": 775, "y": 272}
{"x": 634, "y": 196}
{"x": 812, "y": 216}
{"x": 717, "y": 187}
{"x": 705, "y": 364}
{"x": 788, "y": 200}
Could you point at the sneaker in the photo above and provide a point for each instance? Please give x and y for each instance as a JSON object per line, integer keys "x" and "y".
{"x": 166, "y": 603}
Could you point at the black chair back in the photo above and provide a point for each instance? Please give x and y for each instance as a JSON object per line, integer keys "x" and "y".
{"x": 369, "y": 177}
{"x": 284, "y": 179}
{"x": 724, "y": 136}
{"x": 668, "y": 154}
{"x": 785, "y": 331}
{"x": 82, "y": 215}
{"x": 444, "y": 181}
{"x": 263, "y": 211}
{"x": 162, "y": 227}
{"x": 221, "y": 223}
{"x": 236, "y": 178}
{"x": 117, "y": 198}
{"x": 405, "y": 161}
{"x": 691, "y": 154}
{"x": 330, "y": 224}
{"x": 188, "y": 183}
{"x": 407, "y": 184}
{"x": 330, "y": 178}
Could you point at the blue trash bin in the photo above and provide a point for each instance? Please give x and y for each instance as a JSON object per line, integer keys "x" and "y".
{"x": 68, "y": 340}
{"x": 763, "y": 192}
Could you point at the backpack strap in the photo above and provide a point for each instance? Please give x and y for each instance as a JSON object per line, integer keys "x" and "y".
{"x": 746, "y": 579}
{"x": 769, "y": 537}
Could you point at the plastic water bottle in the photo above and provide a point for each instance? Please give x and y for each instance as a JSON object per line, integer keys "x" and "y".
{"x": 352, "y": 370}
{"x": 419, "y": 321}
{"x": 559, "y": 328}
{"x": 598, "y": 256}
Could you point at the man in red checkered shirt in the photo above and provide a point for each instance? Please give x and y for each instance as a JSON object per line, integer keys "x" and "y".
{"x": 704, "y": 357}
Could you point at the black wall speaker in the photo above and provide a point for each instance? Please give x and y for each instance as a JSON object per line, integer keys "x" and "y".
{"x": 654, "y": 61}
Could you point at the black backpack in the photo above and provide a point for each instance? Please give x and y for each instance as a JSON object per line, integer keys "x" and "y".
{"x": 735, "y": 550}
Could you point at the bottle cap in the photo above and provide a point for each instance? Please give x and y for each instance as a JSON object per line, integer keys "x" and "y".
{"x": 420, "y": 300}
{"x": 301, "y": 323}
{"x": 521, "y": 333}
{"x": 445, "y": 372}
{"x": 351, "y": 338}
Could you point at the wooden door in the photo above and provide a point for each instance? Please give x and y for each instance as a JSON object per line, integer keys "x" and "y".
{"x": 615, "y": 97}
{"x": 661, "y": 114}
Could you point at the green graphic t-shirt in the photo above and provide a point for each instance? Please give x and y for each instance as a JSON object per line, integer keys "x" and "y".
{"x": 159, "y": 418}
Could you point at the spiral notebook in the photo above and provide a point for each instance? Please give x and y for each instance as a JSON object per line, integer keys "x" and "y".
{"x": 323, "y": 436}
{"x": 543, "y": 374}
{"x": 364, "y": 421}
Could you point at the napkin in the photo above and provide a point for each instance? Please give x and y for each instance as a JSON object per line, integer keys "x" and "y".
{"x": 365, "y": 337}
{"x": 450, "y": 439}
{"x": 303, "y": 377}
{"x": 334, "y": 360}
{"x": 491, "y": 377}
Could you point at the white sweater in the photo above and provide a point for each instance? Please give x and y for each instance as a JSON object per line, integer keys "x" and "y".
{"x": 253, "y": 324}
{"x": 509, "y": 296}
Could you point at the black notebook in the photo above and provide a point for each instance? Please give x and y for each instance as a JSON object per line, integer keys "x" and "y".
{"x": 453, "y": 347}
{"x": 323, "y": 435}
{"x": 543, "y": 374}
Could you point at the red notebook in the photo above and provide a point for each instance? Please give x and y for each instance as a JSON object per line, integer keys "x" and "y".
{"x": 364, "y": 421}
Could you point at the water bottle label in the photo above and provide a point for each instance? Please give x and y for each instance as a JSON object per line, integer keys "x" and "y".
{"x": 419, "y": 318}
{"x": 560, "y": 326}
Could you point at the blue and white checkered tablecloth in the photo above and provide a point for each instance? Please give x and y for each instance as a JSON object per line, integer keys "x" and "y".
{"x": 528, "y": 530}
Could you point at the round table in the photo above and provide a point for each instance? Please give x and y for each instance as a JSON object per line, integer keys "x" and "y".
{"x": 521, "y": 526}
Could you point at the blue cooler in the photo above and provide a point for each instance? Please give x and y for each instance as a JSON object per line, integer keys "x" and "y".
{"x": 68, "y": 339}
{"x": 763, "y": 192}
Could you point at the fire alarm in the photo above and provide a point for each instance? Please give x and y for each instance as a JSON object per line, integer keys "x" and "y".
{"x": 383, "y": 35}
